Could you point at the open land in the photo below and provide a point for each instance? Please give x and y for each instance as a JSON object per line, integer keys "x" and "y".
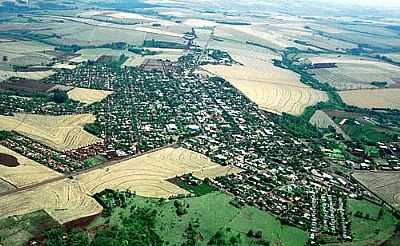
{"x": 371, "y": 231}
{"x": 321, "y": 120}
{"x": 19, "y": 230}
{"x": 372, "y": 98}
{"x": 59, "y": 132}
{"x": 274, "y": 89}
{"x": 28, "y": 172}
{"x": 63, "y": 200}
{"x": 213, "y": 212}
{"x": 147, "y": 174}
{"x": 354, "y": 73}
{"x": 386, "y": 185}
{"x": 88, "y": 96}
{"x": 4, "y": 75}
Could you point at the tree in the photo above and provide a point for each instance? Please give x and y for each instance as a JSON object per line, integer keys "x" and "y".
{"x": 5, "y": 58}
{"x": 78, "y": 238}
{"x": 54, "y": 237}
{"x": 258, "y": 234}
{"x": 250, "y": 233}
{"x": 60, "y": 96}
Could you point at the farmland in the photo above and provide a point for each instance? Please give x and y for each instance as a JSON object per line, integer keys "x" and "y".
{"x": 28, "y": 172}
{"x": 59, "y": 132}
{"x": 278, "y": 91}
{"x": 63, "y": 200}
{"x": 88, "y": 96}
{"x": 147, "y": 174}
{"x": 374, "y": 226}
{"x": 384, "y": 184}
{"x": 4, "y": 75}
{"x": 372, "y": 98}
{"x": 354, "y": 73}
{"x": 19, "y": 230}
{"x": 321, "y": 120}
{"x": 24, "y": 53}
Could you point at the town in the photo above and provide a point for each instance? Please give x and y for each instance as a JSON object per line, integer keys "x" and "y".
{"x": 152, "y": 108}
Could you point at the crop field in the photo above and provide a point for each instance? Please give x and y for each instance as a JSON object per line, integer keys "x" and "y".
{"x": 4, "y": 75}
{"x": 94, "y": 54}
{"x": 59, "y": 132}
{"x": 354, "y": 73}
{"x": 20, "y": 229}
{"x": 372, "y": 40}
{"x": 385, "y": 184}
{"x": 327, "y": 43}
{"x": 394, "y": 56}
{"x": 4, "y": 186}
{"x": 164, "y": 54}
{"x": 147, "y": 174}
{"x": 27, "y": 172}
{"x": 25, "y": 53}
{"x": 88, "y": 96}
{"x": 277, "y": 90}
{"x": 372, "y": 98}
{"x": 321, "y": 120}
{"x": 63, "y": 200}
{"x": 213, "y": 172}
{"x": 372, "y": 231}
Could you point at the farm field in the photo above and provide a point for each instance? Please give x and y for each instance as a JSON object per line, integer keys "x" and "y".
{"x": 88, "y": 96}
{"x": 28, "y": 172}
{"x": 59, "y": 132}
{"x": 371, "y": 231}
{"x": 385, "y": 184}
{"x": 216, "y": 171}
{"x": 4, "y": 186}
{"x": 20, "y": 229}
{"x": 214, "y": 213}
{"x": 394, "y": 56}
{"x": 164, "y": 54}
{"x": 355, "y": 73}
{"x": 4, "y": 75}
{"x": 25, "y": 53}
{"x": 372, "y": 98}
{"x": 147, "y": 174}
{"x": 321, "y": 120}
{"x": 94, "y": 54}
{"x": 282, "y": 93}
{"x": 64, "y": 201}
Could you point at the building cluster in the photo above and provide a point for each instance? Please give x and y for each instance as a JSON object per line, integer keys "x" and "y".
{"x": 151, "y": 109}
{"x": 41, "y": 153}
{"x": 9, "y": 105}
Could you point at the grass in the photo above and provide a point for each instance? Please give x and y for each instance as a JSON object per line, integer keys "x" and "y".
{"x": 213, "y": 212}
{"x": 94, "y": 161}
{"x": 17, "y": 230}
{"x": 373, "y": 230}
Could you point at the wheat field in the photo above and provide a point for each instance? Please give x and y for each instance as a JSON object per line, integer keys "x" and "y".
{"x": 58, "y": 132}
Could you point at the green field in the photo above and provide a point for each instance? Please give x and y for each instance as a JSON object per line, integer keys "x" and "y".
{"x": 373, "y": 230}
{"x": 213, "y": 213}
{"x": 17, "y": 230}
